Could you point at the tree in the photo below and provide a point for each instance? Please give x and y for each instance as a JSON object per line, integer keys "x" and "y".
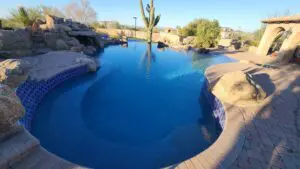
{"x": 191, "y": 28}
{"x": 52, "y": 11}
{"x": 257, "y": 35}
{"x": 208, "y": 33}
{"x": 81, "y": 12}
{"x": 151, "y": 21}
{"x": 25, "y": 16}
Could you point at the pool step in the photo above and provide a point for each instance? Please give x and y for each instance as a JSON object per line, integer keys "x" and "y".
{"x": 39, "y": 158}
{"x": 16, "y": 147}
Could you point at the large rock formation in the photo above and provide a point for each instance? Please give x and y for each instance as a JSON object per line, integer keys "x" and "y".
{"x": 238, "y": 88}
{"x": 15, "y": 42}
{"x": 190, "y": 40}
{"x": 13, "y": 72}
{"x": 55, "y": 34}
{"x": 61, "y": 45}
{"x": 11, "y": 109}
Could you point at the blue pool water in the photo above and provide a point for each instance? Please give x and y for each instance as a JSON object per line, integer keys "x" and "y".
{"x": 143, "y": 109}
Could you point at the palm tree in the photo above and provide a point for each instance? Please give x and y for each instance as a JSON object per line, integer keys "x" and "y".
{"x": 151, "y": 21}
{"x": 24, "y": 16}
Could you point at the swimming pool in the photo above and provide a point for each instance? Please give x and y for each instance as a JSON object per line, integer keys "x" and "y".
{"x": 143, "y": 109}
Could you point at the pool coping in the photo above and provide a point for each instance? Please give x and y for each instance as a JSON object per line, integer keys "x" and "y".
{"x": 220, "y": 154}
{"x": 225, "y": 150}
{"x": 31, "y": 92}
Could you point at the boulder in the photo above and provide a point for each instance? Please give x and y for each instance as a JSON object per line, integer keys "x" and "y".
{"x": 187, "y": 47}
{"x": 125, "y": 45}
{"x": 50, "y": 38}
{"x": 64, "y": 36}
{"x": 73, "y": 42}
{"x": 62, "y": 27}
{"x": 61, "y": 45}
{"x": 239, "y": 89}
{"x": 53, "y": 21}
{"x": 15, "y": 40}
{"x": 78, "y": 48}
{"x": 225, "y": 43}
{"x": 43, "y": 27}
{"x": 161, "y": 45}
{"x": 50, "y": 22}
{"x": 90, "y": 50}
{"x": 13, "y": 72}
{"x": 124, "y": 39}
{"x": 68, "y": 22}
{"x": 188, "y": 40}
{"x": 11, "y": 109}
{"x": 93, "y": 64}
{"x": 202, "y": 50}
{"x": 100, "y": 41}
{"x": 236, "y": 45}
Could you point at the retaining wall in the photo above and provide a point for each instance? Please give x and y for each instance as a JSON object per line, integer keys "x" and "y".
{"x": 162, "y": 36}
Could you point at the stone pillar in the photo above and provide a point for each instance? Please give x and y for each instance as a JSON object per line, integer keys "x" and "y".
{"x": 11, "y": 110}
{"x": 272, "y": 31}
{"x": 289, "y": 46}
{"x": 265, "y": 42}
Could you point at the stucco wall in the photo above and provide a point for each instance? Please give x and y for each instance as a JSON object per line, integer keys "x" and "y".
{"x": 162, "y": 36}
{"x": 289, "y": 45}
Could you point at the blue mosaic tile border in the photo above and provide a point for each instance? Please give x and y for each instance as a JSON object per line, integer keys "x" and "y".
{"x": 31, "y": 92}
{"x": 215, "y": 104}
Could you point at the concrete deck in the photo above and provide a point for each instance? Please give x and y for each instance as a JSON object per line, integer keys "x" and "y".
{"x": 260, "y": 136}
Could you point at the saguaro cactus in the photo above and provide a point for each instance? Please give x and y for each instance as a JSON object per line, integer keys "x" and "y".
{"x": 151, "y": 21}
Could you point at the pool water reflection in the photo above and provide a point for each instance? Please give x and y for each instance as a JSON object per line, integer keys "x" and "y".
{"x": 143, "y": 109}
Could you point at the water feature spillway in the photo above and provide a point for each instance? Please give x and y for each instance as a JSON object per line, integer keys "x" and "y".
{"x": 143, "y": 109}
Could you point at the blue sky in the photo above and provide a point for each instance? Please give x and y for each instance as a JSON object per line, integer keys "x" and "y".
{"x": 238, "y": 14}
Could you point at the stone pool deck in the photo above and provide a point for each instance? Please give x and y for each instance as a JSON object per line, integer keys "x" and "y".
{"x": 259, "y": 136}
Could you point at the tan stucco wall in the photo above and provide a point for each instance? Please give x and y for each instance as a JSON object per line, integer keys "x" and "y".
{"x": 225, "y": 42}
{"x": 289, "y": 45}
{"x": 162, "y": 36}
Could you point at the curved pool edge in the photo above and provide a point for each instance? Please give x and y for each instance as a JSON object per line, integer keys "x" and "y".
{"x": 225, "y": 150}
{"x": 220, "y": 154}
{"x": 31, "y": 92}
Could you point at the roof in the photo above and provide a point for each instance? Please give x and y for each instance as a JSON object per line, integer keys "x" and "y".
{"x": 283, "y": 19}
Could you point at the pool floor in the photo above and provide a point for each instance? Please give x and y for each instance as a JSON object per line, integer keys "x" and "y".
{"x": 143, "y": 109}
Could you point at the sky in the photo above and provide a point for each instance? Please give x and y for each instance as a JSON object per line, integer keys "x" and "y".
{"x": 238, "y": 14}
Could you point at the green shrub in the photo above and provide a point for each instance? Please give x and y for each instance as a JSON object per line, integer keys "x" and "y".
{"x": 24, "y": 16}
{"x": 208, "y": 33}
{"x": 191, "y": 28}
{"x": 258, "y": 34}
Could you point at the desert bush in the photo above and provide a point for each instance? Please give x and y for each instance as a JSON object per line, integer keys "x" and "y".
{"x": 23, "y": 17}
{"x": 257, "y": 35}
{"x": 207, "y": 32}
